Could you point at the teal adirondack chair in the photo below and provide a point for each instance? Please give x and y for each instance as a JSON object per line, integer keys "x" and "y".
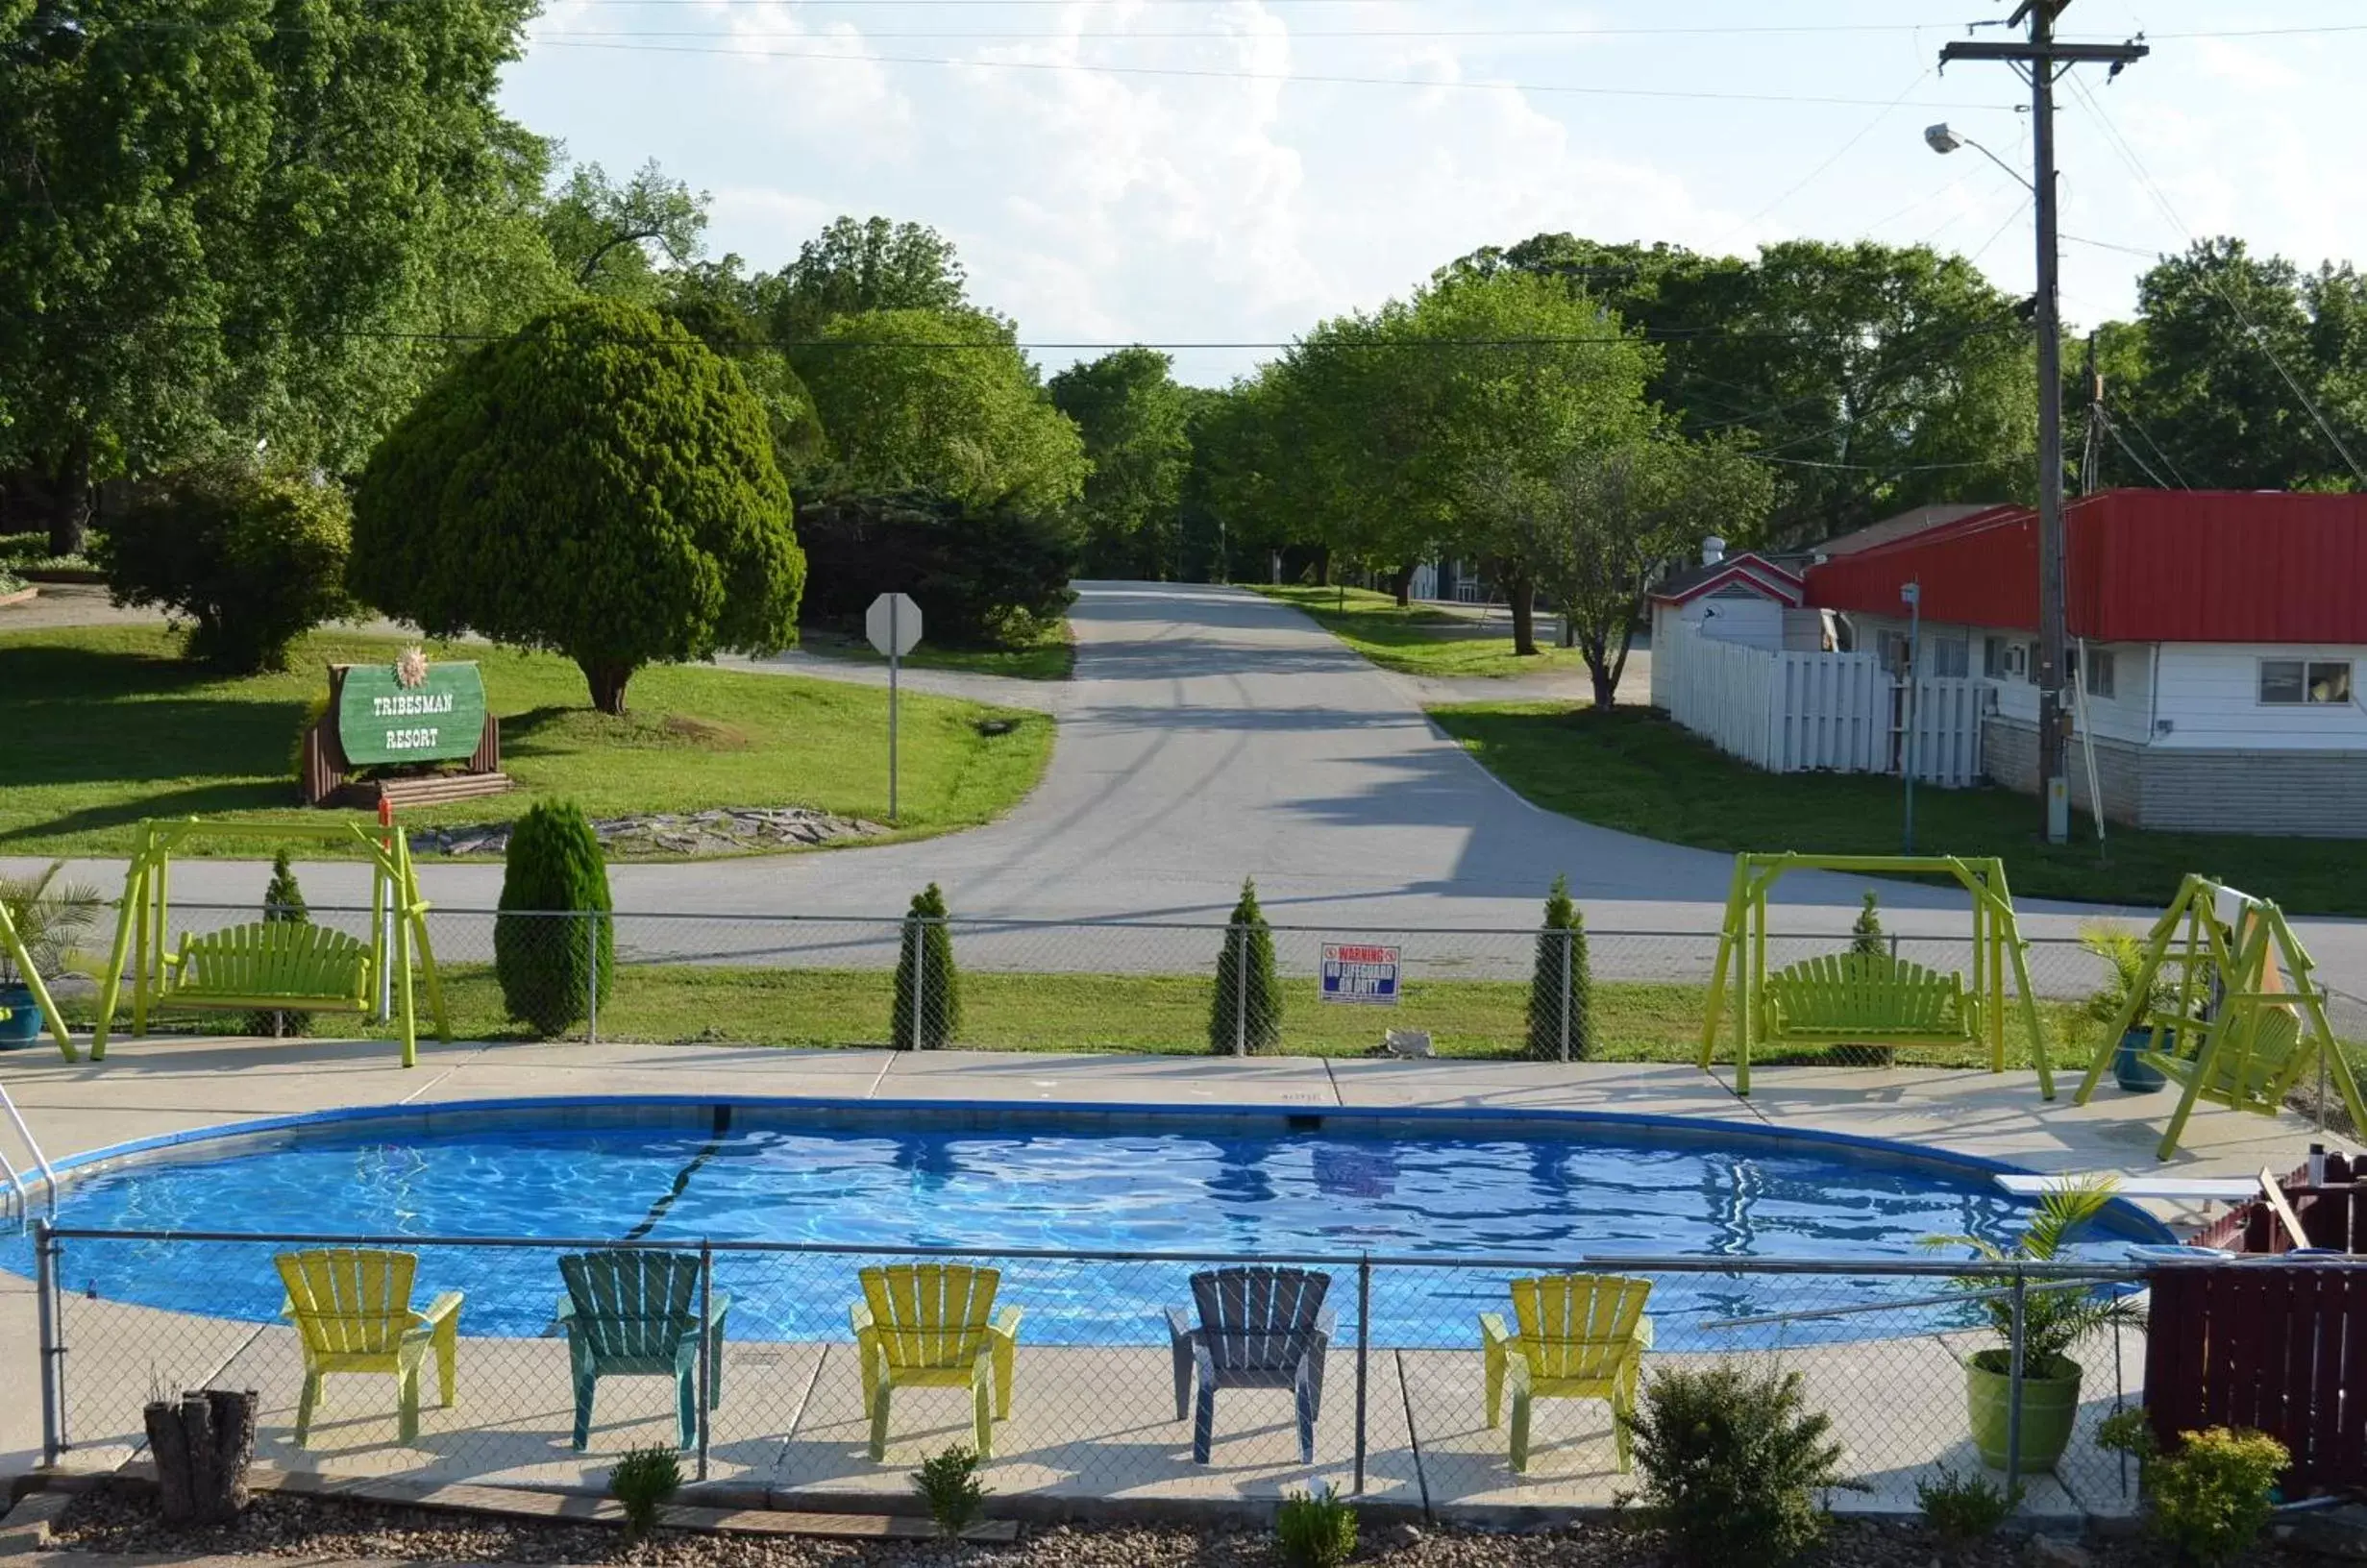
{"x": 630, "y": 1313}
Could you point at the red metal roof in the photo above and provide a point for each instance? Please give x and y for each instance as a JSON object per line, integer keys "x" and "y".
{"x": 2169, "y": 566}
{"x": 1750, "y": 568}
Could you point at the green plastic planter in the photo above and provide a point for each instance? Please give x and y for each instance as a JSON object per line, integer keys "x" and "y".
{"x": 2050, "y": 1411}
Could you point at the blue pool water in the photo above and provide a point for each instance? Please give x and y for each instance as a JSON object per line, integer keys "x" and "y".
{"x": 768, "y": 1175}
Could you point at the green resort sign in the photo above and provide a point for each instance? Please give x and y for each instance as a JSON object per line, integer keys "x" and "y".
{"x": 409, "y": 711}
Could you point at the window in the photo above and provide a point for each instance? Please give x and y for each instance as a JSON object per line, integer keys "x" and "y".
{"x": 1949, "y": 657}
{"x": 1890, "y": 646}
{"x": 2310, "y": 681}
{"x": 2099, "y": 671}
{"x": 1993, "y": 657}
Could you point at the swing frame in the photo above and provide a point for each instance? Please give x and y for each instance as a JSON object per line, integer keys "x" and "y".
{"x": 2238, "y": 956}
{"x": 398, "y": 921}
{"x": 1998, "y": 949}
{"x": 22, "y": 958}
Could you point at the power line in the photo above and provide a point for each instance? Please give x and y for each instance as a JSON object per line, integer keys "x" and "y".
{"x": 1839, "y": 151}
{"x": 1326, "y": 78}
{"x": 2127, "y": 156}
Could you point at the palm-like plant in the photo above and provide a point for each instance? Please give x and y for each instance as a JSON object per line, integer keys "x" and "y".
{"x": 49, "y": 920}
{"x": 2123, "y": 952}
{"x": 2057, "y": 1314}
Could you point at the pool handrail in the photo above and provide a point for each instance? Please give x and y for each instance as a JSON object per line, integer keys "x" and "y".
{"x": 24, "y": 1195}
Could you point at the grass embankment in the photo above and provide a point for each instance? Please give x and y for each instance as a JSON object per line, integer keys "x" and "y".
{"x": 101, "y": 726}
{"x": 1628, "y": 769}
{"x": 1421, "y": 641}
{"x": 1049, "y": 654}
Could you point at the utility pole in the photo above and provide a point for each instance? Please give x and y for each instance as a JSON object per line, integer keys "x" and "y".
{"x": 2038, "y": 60}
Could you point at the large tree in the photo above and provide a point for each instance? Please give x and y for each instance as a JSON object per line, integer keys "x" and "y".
{"x": 219, "y": 222}
{"x": 1136, "y": 425}
{"x": 942, "y": 401}
{"x": 602, "y": 486}
{"x": 854, "y": 266}
{"x": 611, "y": 239}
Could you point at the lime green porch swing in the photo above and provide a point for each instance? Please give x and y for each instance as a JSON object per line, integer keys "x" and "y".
{"x": 273, "y": 966}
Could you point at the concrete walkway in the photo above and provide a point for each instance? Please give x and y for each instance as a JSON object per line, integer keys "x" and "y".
{"x": 1094, "y": 1421}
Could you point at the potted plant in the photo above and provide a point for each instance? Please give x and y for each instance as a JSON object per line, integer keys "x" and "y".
{"x": 49, "y": 920}
{"x": 2123, "y": 953}
{"x": 2058, "y": 1315}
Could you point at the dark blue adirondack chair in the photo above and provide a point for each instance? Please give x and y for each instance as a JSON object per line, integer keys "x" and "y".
{"x": 632, "y": 1314}
{"x": 1258, "y": 1328}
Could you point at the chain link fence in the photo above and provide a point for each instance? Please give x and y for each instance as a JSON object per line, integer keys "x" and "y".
{"x": 1374, "y": 1374}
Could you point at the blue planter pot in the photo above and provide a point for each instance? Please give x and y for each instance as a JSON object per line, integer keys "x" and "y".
{"x": 2130, "y": 1070}
{"x": 23, "y": 1024}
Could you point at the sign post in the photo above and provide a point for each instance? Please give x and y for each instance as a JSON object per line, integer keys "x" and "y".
{"x": 893, "y": 624}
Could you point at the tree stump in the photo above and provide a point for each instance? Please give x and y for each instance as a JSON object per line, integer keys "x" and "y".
{"x": 202, "y": 1448}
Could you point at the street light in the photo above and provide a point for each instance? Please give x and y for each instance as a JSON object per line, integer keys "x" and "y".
{"x": 1942, "y": 138}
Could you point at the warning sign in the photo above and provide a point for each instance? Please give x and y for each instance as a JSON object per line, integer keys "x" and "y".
{"x": 1359, "y": 972}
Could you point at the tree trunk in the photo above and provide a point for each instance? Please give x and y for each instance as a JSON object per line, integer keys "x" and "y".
{"x": 1606, "y": 684}
{"x": 59, "y": 495}
{"x": 1521, "y": 594}
{"x": 608, "y": 682}
{"x": 1323, "y": 567}
{"x": 1569, "y": 628}
{"x": 202, "y": 1447}
{"x": 1402, "y": 585}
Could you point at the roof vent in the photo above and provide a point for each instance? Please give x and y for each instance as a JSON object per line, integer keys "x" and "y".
{"x": 1712, "y": 550}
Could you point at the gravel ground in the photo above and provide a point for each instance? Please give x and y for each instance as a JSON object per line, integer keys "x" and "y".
{"x": 318, "y": 1528}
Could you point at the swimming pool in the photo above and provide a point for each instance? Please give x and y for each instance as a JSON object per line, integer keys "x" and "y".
{"x": 1016, "y": 1181}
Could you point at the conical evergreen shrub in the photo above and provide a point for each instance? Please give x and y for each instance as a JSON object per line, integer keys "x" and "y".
{"x": 282, "y": 900}
{"x": 1866, "y": 934}
{"x": 927, "y": 950}
{"x": 543, "y": 960}
{"x": 1564, "y": 928}
{"x": 1247, "y": 1007}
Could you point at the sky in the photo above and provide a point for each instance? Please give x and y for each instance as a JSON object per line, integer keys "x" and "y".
{"x": 1228, "y": 172}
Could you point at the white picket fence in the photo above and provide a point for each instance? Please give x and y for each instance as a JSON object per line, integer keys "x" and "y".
{"x": 1791, "y": 713}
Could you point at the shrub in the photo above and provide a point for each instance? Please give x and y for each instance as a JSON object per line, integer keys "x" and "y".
{"x": 980, "y": 573}
{"x": 643, "y": 1481}
{"x": 1730, "y": 1462}
{"x": 543, "y": 964}
{"x": 926, "y": 949}
{"x": 600, "y": 484}
{"x": 1315, "y": 1529}
{"x": 282, "y": 900}
{"x": 1965, "y": 1509}
{"x": 1558, "y": 955}
{"x": 1247, "y": 1006}
{"x": 254, "y": 560}
{"x": 948, "y": 1483}
{"x": 2212, "y": 1496}
{"x": 1866, "y": 934}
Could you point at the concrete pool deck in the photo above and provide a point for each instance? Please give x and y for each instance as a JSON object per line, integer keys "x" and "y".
{"x": 1093, "y": 1423}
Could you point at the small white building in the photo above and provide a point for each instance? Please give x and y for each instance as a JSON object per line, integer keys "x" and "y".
{"x": 1746, "y": 598}
{"x": 2219, "y": 639}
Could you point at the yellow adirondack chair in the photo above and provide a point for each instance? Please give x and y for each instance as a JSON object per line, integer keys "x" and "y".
{"x": 353, "y": 1311}
{"x": 1582, "y": 1337}
{"x": 934, "y": 1326}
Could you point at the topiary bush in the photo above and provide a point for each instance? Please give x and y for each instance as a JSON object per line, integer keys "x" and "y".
{"x": 1247, "y": 1007}
{"x": 1866, "y": 934}
{"x": 252, "y": 560}
{"x": 1558, "y": 955}
{"x": 544, "y": 962}
{"x": 1730, "y": 1463}
{"x": 602, "y": 486}
{"x": 282, "y": 900}
{"x": 925, "y": 951}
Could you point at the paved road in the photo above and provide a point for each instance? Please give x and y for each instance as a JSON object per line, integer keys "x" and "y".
{"x": 1211, "y": 733}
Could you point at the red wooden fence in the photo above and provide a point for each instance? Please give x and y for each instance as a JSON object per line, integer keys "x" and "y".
{"x": 2333, "y": 1215}
{"x": 2281, "y": 1348}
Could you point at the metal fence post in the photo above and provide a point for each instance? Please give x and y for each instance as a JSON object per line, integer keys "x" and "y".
{"x": 919, "y": 979}
{"x": 46, "y": 1288}
{"x": 1569, "y": 942}
{"x": 591, "y": 976}
{"x": 2014, "y": 1391}
{"x": 708, "y": 1349}
{"x": 1241, "y": 998}
{"x": 1364, "y": 1355}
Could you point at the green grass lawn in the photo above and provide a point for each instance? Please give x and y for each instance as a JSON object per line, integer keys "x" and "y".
{"x": 1628, "y": 769}
{"x": 1420, "y": 641}
{"x": 103, "y": 727}
{"x": 1051, "y": 655}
